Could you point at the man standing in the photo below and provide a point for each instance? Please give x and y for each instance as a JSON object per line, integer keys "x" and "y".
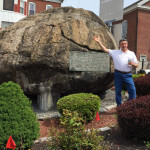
{"x": 123, "y": 60}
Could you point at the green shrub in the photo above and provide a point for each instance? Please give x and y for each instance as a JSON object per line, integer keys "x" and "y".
{"x": 134, "y": 76}
{"x": 147, "y": 143}
{"x": 74, "y": 136}
{"x": 142, "y": 85}
{"x": 86, "y": 104}
{"x": 16, "y": 117}
{"x": 134, "y": 118}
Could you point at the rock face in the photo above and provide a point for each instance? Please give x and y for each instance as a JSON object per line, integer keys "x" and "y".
{"x": 35, "y": 53}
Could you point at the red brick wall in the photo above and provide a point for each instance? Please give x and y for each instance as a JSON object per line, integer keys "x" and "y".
{"x": 147, "y": 4}
{"x": 143, "y": 36}
{"x": 25, "y": 9}
{"x": 138, "y": 33}
{"x": 17, "y": 7}
{"x": 41, "y": 5}
{"x": 132, "y": 29}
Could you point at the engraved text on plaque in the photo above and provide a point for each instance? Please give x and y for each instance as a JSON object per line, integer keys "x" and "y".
{"x": 89, "y": 61}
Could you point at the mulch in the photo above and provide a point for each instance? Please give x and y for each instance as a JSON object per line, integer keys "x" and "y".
{"x": 106, "y": 119}
{"x": 117, "y": 141}
{"x": 114, "y": 137}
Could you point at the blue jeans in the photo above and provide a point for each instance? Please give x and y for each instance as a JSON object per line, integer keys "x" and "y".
{"x": 120, "y": 79}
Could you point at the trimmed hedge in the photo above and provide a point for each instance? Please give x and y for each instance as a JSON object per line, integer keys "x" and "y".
{"x": 86, "y": 104}
{"x": 134, "y": 118}
{"x": 142, "y": 85}
{"x": 16, "y": 117}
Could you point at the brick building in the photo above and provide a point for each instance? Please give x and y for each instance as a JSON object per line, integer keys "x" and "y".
{"x": 36, "y": 6}
{"x": 135, "y": 26}
{"x": 13, "y": 10}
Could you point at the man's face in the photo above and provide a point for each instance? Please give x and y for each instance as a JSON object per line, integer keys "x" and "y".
{"x": 123, "y": 45}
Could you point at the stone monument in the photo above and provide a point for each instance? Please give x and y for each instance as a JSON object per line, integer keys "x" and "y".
{"x": 36, "y": 52}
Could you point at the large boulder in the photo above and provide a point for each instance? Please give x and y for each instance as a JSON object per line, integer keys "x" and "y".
{"x": 34, "y": 52}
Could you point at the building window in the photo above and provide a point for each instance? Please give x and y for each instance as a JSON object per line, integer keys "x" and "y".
{"x": 5, "y": 24}
{"x": 48, "y": 7}
{"x": 21, "y": 6}
{"x": 32, "y": 8}
{"x": 124, "y": 29}
{"x": 8, "y": 5}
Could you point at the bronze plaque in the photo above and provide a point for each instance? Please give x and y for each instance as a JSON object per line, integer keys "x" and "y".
{"x": 89, "y": 61}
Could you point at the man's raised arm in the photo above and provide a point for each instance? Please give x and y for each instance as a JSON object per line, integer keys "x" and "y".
{"x": 97, "y": 39}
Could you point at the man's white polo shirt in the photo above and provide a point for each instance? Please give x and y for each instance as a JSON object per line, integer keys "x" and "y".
{"x": 120, "y": 59}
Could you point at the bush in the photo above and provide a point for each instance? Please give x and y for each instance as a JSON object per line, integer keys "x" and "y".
{"x": 16, "y": 117}
{"x": 134, "y": 76}
{"x": 74, "y": 136}
{"x": 86, "y": 104}
{"x": 142, "y": 85}
{"x": 147, "y": 143}
{"x": 134, "y": 118}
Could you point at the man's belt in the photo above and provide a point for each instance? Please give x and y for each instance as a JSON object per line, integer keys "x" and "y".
{"x": 122, "y": 71}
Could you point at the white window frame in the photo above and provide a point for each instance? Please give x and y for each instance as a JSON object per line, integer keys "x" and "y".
{"x": 48, "y": 6}
{"x": 22, "y": 5}
{"x": 5, "y": 24}
{"x": 34, "y": 7}
{"x": 124, "y": 26}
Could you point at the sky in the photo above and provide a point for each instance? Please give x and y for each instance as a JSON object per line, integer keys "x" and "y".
{"x": 92, "y": 5}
